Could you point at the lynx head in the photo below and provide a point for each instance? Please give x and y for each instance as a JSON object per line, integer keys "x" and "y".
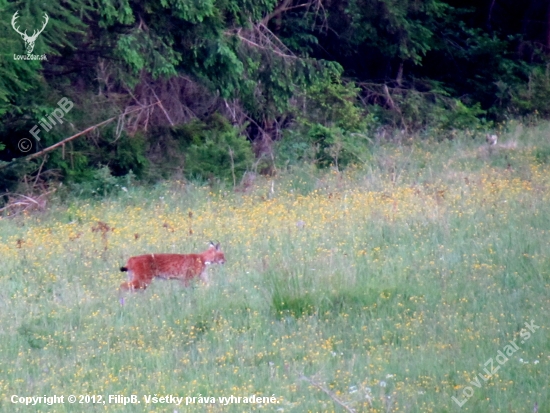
{"x": 214, "y": 254}
{"x": 491, "y": 139}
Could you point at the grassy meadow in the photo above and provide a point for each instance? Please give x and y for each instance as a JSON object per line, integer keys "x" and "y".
{"x": 383, "y": 288}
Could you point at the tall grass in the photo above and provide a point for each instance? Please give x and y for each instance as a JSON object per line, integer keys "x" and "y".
{"x": 384, "y": 288}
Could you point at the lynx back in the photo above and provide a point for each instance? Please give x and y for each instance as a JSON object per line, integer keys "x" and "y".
{"x": 184, "y": 267}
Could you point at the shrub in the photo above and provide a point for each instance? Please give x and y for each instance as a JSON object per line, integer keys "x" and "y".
{"x": 332, "y": 129}
{"x": 324, "y": 146}
{"x": 533, "y": 96}
{"x": 102, "y": 183}
{"x": 214, "y": 149}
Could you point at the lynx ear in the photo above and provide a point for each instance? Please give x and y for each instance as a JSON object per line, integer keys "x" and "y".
{"x": 217, "y": 246}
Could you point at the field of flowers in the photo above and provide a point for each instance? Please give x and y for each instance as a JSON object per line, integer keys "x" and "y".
{"x": 384, "y": 288}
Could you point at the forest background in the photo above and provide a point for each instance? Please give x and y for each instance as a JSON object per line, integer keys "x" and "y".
{"x": 216, "y": 88}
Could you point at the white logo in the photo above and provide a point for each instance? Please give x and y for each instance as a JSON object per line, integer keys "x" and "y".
{"x": 29, "y": 40}
{"x": 65, "y": 105}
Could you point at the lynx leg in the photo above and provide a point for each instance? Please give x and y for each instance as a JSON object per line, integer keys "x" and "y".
{"x": 204, "y": 278}
{"x": 132, "y": 286}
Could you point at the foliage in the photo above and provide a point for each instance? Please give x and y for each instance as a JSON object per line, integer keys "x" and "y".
{"x": 403, "y": 31}
{"x": 20, "y": 80}
{"x": 414, "y": 110}
{"x": 10, "y": 177}
{"x": 207, "y": 40}
{"x": 330, "y": 127}
{"x": 542, "y": 154}
{"x": 140, "y": 50}
{"x": 323, "y": 75}
{"x": 532, "y": 97}
{"x": 102, "y": 183}
{"x": 324, "y": 146}
{"x": 214, "y": 149}
{"x": 333, "y": 103}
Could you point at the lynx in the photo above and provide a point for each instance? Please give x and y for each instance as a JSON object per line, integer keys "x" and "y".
{"x": 491, "y": 139}
{"x": 184, "y": 267}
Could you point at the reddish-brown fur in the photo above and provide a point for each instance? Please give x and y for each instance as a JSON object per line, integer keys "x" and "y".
{"x": 143, "y": 268}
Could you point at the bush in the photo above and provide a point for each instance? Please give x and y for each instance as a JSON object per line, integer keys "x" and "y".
{"x": 414, "y": 110}
{"x": 324, "y": 146}
{"x": 102, "y": 183}
{"x": 533, "y": 96}
{"x": 214, "y": 149}
{"x": 333, "y": 103}
{"x": 332, "y": 128}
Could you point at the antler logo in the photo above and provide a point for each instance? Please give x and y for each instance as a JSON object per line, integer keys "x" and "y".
{"x": 29, "y": 40}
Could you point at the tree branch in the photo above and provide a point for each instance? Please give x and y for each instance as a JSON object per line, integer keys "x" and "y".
{"x": 70, "y": 138}
{"x": 281, "y": 8}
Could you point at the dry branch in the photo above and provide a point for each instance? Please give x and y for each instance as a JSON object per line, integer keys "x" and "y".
{"x": 70, "y": 138}
{"x": 21, "y": 203}
{"x": 259, "y": 36}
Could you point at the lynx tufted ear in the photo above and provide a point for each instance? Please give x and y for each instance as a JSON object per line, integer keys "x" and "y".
{"x": 217, "y": 246}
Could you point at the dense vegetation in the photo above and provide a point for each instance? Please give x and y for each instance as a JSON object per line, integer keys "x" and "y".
{"x": 219, "y": 87}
